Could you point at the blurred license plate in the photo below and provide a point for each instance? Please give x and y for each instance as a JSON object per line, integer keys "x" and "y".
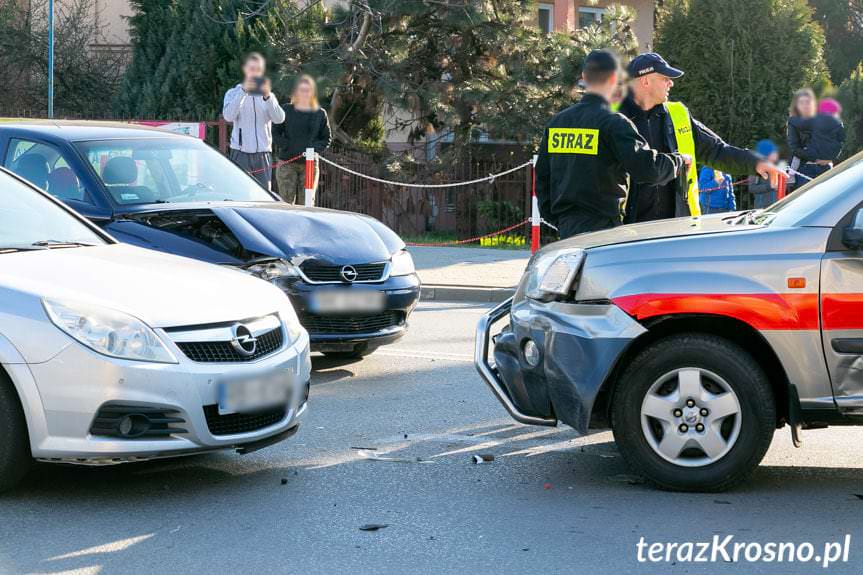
{"x": 254, "y": 393}
{"x": 347, "y": 301}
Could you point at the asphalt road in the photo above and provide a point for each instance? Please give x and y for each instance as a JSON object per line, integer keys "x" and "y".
{"x": 548, "y": 503}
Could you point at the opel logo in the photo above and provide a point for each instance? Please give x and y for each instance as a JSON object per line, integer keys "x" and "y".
{"x": 349, "y": 273}
{"x": 243, "y": 341}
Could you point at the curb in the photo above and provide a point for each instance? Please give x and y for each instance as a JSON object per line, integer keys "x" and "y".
{"x": 473, "y": 294}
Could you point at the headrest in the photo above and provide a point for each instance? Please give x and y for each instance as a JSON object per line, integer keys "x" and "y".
{"x": 120, "y": 170}
{"x": 33, "y": 168}
{"x": 63, "y": 184}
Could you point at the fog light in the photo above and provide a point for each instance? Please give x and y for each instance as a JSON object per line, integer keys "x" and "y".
{"x": 531, "y": 353}
{"x": 134, "y": 425}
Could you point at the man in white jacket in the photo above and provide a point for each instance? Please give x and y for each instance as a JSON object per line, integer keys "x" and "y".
{"x": 253, "y": 109}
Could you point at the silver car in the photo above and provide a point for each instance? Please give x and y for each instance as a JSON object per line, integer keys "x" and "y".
{"x": 694, "y": 339}
{"x": 112, "y": 353}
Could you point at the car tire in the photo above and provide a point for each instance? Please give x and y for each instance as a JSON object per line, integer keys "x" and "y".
{"x": 15, "y": 458}
{"x": 716, "y": 451}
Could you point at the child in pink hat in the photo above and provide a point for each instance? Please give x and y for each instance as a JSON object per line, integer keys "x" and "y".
{"x": 830, "y": 107}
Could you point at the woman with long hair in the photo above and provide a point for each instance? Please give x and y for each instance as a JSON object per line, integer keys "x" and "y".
{"x": 804, "y": 107}
{"x": 306, "y": 125}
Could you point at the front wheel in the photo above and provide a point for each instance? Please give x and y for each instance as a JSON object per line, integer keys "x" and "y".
{"x": 694, "y": 412}
{"x": 15, "y": 459}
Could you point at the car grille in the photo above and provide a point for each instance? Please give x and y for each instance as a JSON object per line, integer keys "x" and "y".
{"x": 223, "y": 351}
{"x": 333, "y": 274}
{"x": 234, "y": 423}
{"x": 348, "y": 324}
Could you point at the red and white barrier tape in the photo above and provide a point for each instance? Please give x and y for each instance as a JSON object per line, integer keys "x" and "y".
{"x": 470, "y": 240}
{"x": 275, "y": 165}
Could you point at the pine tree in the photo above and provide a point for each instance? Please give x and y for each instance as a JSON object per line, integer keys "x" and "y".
{"x": 743, "y": 59}
{"x": 463, "y": 68}
{"x": 187, "y": 53}
{"x": 842, "y": 21}
{"x": 850, "y": 94}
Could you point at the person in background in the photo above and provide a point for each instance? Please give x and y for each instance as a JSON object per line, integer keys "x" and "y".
{"x": 828, "y": 134}
{"x": 669, "y": 127}
{"x": 589, "y": 155}
{"x": 253, "y": 109}
{"x": 306, "y": 126}
{"x": 715, "y": 191}
{"x": 764, "y": 194}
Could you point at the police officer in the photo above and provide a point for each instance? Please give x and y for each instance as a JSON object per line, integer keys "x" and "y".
{"x": 589, "y": 154}
{"x": 668, "y": 127}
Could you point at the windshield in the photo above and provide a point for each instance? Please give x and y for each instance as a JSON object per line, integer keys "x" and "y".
{"x": 823, "y": 190}
{"x": 169, "y": 170}
{"x": 28, "y": 220}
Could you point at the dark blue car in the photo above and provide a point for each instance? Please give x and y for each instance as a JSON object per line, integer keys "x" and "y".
{"x": 349, "y": 276}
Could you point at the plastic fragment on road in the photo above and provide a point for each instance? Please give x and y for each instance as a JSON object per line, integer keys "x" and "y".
{"x": 483, "y": 458}
{"x": 373, "y": 526}
{"x": 372, "y": 456}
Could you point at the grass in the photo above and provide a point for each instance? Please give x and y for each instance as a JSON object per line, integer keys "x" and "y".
{"x": 507, "y": 242}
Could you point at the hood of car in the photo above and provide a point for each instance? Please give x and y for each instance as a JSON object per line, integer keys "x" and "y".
{"x": 236, "y": 233}
{"x": 160, "y": 289}
{"x": 660, "y": 229}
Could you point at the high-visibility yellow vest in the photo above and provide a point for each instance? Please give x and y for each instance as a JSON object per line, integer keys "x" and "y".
{"x": 686, "y": 145}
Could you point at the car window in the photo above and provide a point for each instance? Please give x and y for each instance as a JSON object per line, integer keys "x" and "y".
{"x": 28, "y": 217}
{"x": 44, "y": 166}
{"x": 129, "y": 179}
{"x": 169, "y": 170}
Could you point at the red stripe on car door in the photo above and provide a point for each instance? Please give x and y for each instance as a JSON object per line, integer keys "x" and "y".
{"x": 768, "y": 311}
{"x": 842, "y": 310}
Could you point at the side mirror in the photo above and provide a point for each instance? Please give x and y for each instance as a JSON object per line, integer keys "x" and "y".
{"x": 852, "y": 236}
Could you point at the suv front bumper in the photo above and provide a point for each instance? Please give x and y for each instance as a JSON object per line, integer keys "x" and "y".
{"x": 579, "y": 345}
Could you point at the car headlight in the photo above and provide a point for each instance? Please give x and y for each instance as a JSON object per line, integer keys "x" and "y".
{"x": 553, "y": 274}
{"x": 273, "y": 270}
{"x": 108, "y": 331}
{"x": 291, "y": 322}
{"x": 402, "y": 264}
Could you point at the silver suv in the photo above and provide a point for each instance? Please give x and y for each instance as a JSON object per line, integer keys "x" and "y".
{"x": 112, "y": 353}
{"x": 694, "y": 339}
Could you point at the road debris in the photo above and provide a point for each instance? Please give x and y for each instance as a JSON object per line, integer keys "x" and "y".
{"x": 372, "y": 456}
{"x": 373, "y": 526}
{"x": 628, "y": 479}
{"x": 483, "y": 458}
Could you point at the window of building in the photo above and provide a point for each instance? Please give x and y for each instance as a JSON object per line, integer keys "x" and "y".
{"x": 588, "y": 15}
{"x": 546, "y": 18}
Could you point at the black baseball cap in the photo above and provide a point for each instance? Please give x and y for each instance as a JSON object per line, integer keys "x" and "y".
{"x": 650, "y": 62}
{"x": 602, "y": 61}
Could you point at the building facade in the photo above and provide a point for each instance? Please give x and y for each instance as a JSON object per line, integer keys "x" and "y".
{"x": 569, "y": 15}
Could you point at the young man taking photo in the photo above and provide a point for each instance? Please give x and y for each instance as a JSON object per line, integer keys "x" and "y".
{"x": 253, "y": 109}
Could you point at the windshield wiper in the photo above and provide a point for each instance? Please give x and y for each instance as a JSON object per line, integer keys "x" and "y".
{"x": 50, "y": 244}
{"x": 13, "y": 249}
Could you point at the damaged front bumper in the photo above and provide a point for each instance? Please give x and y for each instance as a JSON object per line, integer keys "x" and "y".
{"x": 578, "y": 344}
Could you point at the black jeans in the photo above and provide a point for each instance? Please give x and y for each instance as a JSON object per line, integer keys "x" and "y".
{"x": 257, "y": 165}
{"x": 581, "y": 223}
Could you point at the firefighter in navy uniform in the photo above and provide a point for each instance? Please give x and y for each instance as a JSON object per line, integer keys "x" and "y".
{"x": 668, "y": 127}
{"x": 589, "y": 155}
